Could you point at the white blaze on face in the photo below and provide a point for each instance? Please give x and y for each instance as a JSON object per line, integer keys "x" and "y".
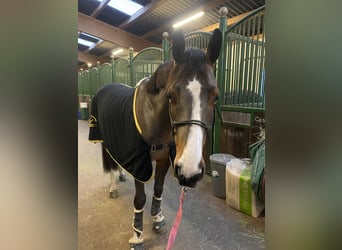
{"x": 192, "y": 153}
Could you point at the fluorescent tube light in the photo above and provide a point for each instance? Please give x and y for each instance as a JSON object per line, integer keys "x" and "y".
{"x": 189, "y": 19}
{"x": 117, "y": 52}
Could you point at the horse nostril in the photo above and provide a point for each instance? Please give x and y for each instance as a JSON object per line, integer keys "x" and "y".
{"x": 194, "y": 179}
{"x": 182, "y": 180}
{"x": 177, "y": 169}
{"x": 189, "y": 182}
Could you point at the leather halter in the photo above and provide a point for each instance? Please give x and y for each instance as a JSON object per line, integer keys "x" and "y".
{"x": 175, "y": 124}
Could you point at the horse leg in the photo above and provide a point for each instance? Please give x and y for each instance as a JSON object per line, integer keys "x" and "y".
{"x": 110, "y": 166}
{"x": 113, "y": 191}
{"x": 139, "y": 203}
{"x": 156, "y": 211}
{"x": 122, "y": 176}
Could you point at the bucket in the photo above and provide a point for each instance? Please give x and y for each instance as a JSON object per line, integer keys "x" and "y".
{"x": 84, "y": 110}
{"x": 218, "y": 173}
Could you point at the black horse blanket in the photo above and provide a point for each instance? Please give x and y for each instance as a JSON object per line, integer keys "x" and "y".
{"x": 112, "y": 122}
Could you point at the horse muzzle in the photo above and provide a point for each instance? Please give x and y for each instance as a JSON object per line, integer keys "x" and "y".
{"x": 188, "y": 181}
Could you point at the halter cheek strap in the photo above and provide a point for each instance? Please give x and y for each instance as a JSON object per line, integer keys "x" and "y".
{"x": 156, "y": 147}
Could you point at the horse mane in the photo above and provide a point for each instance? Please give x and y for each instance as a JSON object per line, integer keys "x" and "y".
{"x": 194, "y": 58}
{"x": 159, "y": 78}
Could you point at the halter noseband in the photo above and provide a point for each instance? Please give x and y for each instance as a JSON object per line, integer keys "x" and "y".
{"x": 189, "y": 122}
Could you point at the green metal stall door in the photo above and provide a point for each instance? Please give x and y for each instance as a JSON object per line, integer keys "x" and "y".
{"x": 79, "y": 93}
{"x": 79, "y": 85}
{"x": 197, "y": 39}
{"x": 86, "y": 83}
{"x": 84, "y": 94}
{"x": 122, "y": 72}
{"x": 94, "y": 80}
{"x": 241, "y": 79}
{"x": 105, "y": 74}
{"x": 245, "y": 60}
{"x": 146, "y": 62}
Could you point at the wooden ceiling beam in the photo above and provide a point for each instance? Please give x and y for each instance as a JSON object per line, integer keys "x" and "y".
{"x": 112, "y": 34}
{"x": 147, "y": 9}
{"x": 230, "y": 21}
{"x": 99, "y": 8}
{"x": 166, "y": 27}
{"x": 88, "y": 58}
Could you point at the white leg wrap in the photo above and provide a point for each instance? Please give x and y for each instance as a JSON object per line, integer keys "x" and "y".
{"x": 136, "y": 230}
{"x": 137, "y": 227}
{"x": 156, "y": 198}
{"x": 136, "y": 239}
{"x": 158, "y": 218}
{"x": 138, "y": 211}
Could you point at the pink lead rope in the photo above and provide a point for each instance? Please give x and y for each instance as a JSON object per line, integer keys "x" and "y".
{"x": 175, "y": 225}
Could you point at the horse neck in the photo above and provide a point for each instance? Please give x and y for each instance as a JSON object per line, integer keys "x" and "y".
{"x": 152, "y": 111}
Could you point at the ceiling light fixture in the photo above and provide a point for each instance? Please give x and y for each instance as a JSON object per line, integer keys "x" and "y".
{"x": 189, "y": 19}
{"x": 88, "y": 40}
{"x": 85, "y": 42}
{"x": 117, "y": 52}
{"x": 126, "y": 6}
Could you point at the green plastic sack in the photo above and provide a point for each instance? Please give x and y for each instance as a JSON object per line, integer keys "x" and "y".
{"x": 257, "y": 152}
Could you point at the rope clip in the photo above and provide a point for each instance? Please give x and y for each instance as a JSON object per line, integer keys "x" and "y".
{"x": 184, "y": 189}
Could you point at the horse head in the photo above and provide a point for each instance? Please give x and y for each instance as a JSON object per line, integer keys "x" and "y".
{"x": 192, "y": 92}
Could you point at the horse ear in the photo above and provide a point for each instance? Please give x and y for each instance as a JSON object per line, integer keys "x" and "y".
{"x": 178, "y": 46}
{"x": 214, "y": 46}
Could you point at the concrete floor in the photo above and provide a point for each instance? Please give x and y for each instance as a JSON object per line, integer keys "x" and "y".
{"x": 104, "y": 223}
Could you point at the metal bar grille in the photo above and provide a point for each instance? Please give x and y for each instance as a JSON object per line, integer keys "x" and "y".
{"x": 198, "y": 40}
{"x": 146, "y": 62}
{"x": 105, "y": 74}
{"x": 245, "y": 57}
{"x": 121, "y": 71}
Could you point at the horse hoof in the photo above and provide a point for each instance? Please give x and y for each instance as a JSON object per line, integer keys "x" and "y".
{"x": 122, "y": 178}
{"x": 114, "y": 194}
{"x": 136, "y": 246}
{"x": 159, "y": 227}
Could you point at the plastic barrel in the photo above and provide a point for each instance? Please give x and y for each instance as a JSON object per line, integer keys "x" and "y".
{"x": 84, "y": 111}
{"x": 218, "y": 173}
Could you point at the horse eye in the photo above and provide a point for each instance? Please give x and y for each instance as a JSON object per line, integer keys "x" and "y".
{"x": 170, "y": 96}
{"x": 216, "y": 98}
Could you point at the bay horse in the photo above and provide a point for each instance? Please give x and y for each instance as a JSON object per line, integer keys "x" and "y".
{"x": 165, "y": 118}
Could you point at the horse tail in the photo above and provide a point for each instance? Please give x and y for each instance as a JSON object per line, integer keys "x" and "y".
{"x": 107, "y": 162}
